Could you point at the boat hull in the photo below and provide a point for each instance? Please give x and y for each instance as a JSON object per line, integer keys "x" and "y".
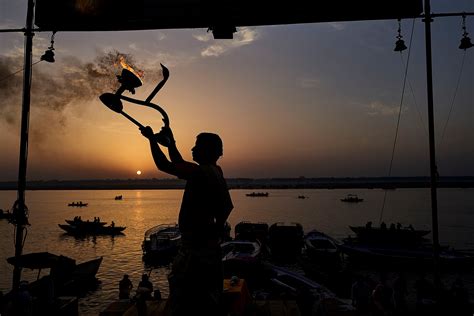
{"x": 389, "y": 236}
{"x": 161, "y": 243}
{"x": 408, "y": 257}
{"x": 97, "y": 230}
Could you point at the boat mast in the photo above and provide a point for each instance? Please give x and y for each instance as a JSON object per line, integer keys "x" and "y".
{"x": 20, "y": 210}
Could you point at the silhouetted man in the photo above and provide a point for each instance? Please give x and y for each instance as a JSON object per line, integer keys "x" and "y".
{"x": 196, "y": 278}
{"x": 125, "y": 286}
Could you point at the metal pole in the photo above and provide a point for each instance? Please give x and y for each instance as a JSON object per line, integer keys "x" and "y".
{"x": 433, "y": 168}
{"x": 20, "y": 211}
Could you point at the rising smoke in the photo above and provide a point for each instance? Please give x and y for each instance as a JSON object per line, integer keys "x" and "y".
{"x": 73, "y": 83}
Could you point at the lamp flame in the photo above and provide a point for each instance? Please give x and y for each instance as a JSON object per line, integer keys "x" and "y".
{"x": 124, "y": 65}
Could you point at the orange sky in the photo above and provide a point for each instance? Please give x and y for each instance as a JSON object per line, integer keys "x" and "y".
{"x": 305, "y": 100}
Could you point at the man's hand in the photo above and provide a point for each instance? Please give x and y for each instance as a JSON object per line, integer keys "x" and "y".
{"x": 147, "y": 132}
{"x": 168, "y": 133}
{"x": 165, "y": 137}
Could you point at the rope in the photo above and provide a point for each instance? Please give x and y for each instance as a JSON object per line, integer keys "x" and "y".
{"x": 399, "y": 117}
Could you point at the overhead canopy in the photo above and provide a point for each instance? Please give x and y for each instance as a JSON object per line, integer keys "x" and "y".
{"x": 38, "y": 260}
{"x": 108, "y": 15}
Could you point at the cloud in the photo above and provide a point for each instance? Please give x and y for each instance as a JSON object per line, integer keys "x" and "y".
{"x": 214, "y": 50}
{"x": 338, "y": 26}
{"x": 307, "y": 83}
{"x": 377, "y": 108}
{"x": 203, "y": 38}
{"x": 244, "y": 36}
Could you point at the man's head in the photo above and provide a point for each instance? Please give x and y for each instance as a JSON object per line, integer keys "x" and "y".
{"x": 208, "y": 148}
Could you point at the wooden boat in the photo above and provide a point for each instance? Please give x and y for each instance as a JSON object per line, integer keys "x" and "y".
{"x": 410, "y": 256}
{"x": 5, "y": 214}
{"x": 241, "y": 250}
{"x": 252, "y": 231}
{"x": 286, "y": 240}
{"x": 67, "y": 277}
{"x": 118, "y": 197}
{"x": 377, "y": 235}
{"x": 352, "y": 198}
{"x": 78, "y": 204}
{"x": 95, "y": 229}
{"x": 161, "y": 242}
{"x": 257, "y": 194}
{"x": 321, "y": 247}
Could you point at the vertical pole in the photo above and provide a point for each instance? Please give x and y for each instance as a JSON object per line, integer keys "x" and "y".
{"x": 20, "y": 210}
{"x": 433, "y": 168}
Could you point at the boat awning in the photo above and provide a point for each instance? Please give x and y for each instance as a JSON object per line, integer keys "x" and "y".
{"x": 38, "y": 260}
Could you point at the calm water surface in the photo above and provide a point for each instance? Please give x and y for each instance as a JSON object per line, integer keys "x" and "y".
{"x": 142, "y": 209}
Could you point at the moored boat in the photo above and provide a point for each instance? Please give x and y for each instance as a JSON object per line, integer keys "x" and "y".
{"x": 393, "y": 235}
{"x": 5, "y": 214}
{"x": 161, "y": 242}
{"x": 65, "y": 275}
{"x": 252, "y": 231}
{"x": 241, "y": 250}
{"x": 322, "y": 248}
{"x": 408, "y": 256}
{"x": 286, "y": 240}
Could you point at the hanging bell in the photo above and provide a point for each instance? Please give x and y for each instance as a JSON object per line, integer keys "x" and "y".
{"x": 48, "y": 56}
{"x": 465, "y": 43}
{"x": 400, "y": 45}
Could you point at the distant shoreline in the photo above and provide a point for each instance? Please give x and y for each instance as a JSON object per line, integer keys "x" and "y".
{"x": 248, "y": 183}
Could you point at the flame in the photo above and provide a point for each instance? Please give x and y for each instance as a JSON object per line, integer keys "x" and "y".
{"x": 124, "y": 65}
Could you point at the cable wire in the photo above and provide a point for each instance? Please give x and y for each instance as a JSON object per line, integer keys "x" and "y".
{"x": 454, "y": 98}
{"x": 14, "y": 73}
{"x": 399, "y": 117}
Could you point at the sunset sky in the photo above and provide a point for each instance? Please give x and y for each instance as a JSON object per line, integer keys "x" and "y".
{"x": 313, "y": 100}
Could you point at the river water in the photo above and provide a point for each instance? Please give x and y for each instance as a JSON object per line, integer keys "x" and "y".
{"x": 142, "y": 209}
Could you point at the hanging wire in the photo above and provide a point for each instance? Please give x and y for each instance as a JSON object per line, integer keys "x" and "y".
{"x": 454, "y": 98}
{"x": 416, "y": 105}
{"x": 465, "y": 33}
{"x": 20, "y": 70}
{"x": 399, "y": 117}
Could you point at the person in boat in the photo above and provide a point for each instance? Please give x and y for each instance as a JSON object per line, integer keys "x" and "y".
{"x": 392, "y": 227}
{"x": 125, "y": 287}
{"x": 196, "y": 277}
{"x": 368, "y": 225}
{"x": 399, "y": 226}
{"x": 383, "y": 226}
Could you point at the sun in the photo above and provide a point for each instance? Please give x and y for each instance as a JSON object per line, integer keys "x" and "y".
{"x": 139, "y": 172}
